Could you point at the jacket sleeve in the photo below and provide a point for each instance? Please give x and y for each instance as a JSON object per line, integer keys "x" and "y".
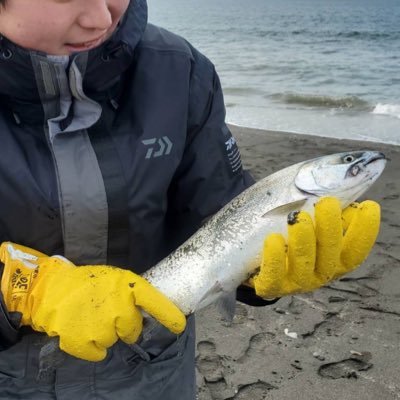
{"x": 211, "y": 172}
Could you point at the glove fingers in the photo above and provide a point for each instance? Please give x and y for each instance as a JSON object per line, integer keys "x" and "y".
{"x": 348, "y": 214}
{"x": 90, "y": 350}
{"x": 158, "y": 306}
{"x": 268, "y": 282}
{"x": 130, "y": 325}
{"x": 329, "y": 233}
{"x": 301, "y": 250}
{"x": 88, "y": 338}
{"x": 361, "y": 234}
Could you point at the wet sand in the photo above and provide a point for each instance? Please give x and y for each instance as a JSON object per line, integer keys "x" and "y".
{"x": 342, "y": 341}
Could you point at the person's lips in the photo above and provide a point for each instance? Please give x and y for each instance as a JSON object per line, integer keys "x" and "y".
{"x": 85, "y": 45}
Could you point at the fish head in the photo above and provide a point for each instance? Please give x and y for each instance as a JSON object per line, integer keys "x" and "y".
{"x": 343, "y": 175}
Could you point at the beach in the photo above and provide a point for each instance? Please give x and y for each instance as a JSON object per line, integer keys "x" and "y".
{"x": 340, "y": 342}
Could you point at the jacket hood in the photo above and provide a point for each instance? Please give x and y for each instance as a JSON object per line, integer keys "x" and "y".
{"x": 100, "y": 67}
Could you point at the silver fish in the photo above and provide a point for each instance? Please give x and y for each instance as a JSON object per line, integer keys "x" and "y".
{"x": 225, "y": 251}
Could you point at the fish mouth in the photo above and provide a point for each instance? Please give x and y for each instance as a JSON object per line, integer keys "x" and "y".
{"x": 371, "y": 157}
{"x": 365, "y": 159}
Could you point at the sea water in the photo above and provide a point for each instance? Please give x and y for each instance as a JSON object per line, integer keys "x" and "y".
{"x": 322, "y": 67}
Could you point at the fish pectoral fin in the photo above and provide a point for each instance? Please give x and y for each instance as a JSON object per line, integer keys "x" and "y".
{"x": 226, "y": 306}
{"x": 212, "y": 293}
{"x": 225, "y": 302}
{"x": 286, "y": 208}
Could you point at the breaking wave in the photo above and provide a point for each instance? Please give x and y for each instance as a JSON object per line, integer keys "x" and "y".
{"x": 348, "y": 102}
{"x": 387, "y": 109}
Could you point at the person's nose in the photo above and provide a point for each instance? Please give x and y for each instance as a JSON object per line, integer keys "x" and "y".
{"x": 96, "y": 15}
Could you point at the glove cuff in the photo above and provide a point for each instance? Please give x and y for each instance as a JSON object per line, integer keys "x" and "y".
{"x": 19, "y": 275}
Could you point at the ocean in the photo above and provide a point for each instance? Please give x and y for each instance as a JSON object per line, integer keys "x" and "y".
{"x": 320, "y": 67}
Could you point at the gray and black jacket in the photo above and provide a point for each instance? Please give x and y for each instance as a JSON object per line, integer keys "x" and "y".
{"x": 112, "y": 156}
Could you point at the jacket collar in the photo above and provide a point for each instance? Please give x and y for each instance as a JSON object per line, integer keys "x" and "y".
{"x": 101, "y": 67}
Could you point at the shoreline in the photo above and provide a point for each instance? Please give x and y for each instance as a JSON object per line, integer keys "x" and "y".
{"x": 240, "y": 129}
{"x": 339, "y": 342}
{"x": 333, "y": 123}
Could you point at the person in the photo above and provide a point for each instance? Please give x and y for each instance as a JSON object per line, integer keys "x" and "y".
{"x": 114, "y": 152}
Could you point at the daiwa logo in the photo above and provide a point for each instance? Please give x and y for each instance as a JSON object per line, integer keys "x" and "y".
{"x": 230, "y": 143}
{"x": 158, "y": 147}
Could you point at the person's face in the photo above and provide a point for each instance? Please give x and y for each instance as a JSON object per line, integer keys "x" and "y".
{"x": 60, "y": 27}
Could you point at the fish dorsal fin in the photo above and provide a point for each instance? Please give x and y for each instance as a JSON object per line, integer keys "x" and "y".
{"x": 286, "y": 208}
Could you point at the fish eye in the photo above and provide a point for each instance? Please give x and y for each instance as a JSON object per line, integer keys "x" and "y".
{"x": 348, "y": 159}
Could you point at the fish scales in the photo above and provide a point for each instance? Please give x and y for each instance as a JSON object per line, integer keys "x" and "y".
{"x": 226, "y": 250}
{"x": 231, "y": 239}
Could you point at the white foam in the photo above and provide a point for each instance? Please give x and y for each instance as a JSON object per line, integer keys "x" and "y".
{"x": 357, "y": 126}
{"x": 387, "y": 109}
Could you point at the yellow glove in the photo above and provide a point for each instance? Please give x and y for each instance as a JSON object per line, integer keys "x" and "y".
{"x": 88, "y": 307}
{"x": 315, "y": 255}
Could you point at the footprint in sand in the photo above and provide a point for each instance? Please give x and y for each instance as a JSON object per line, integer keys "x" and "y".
{"x": 254, "y": 391}
{"x": 209, "y": 364}
{"x": 258, "y": 343}
{"x": 346, "y": 368}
